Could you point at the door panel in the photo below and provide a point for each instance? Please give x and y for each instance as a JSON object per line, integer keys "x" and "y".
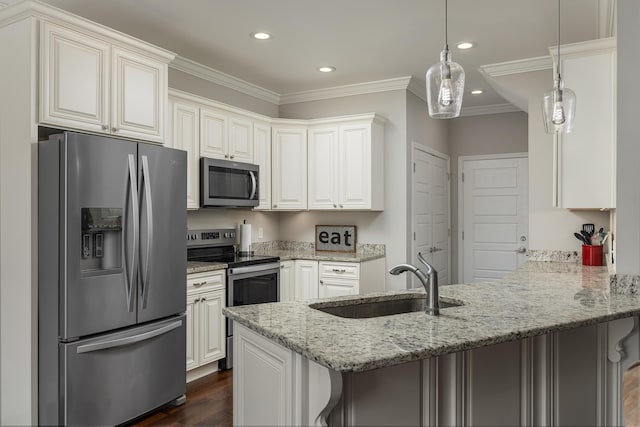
{"x": 213, "y": 337}
{"x": 110, "y": 381}
{"x": 495, "y": 195}
{"x": 323, "y": 162}
{"x": 163, "y": 223}
{"x": 99, "y": 207}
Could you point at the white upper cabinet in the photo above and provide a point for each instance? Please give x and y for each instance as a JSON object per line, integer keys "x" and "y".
{"x": 262, "y": 157}
{"x": 584, "y": 160}
{"x": 346, "y": 165}
{"x": 240, "y": 139}
{"x": 289, "y": 168}
{"x": 184, "y": 127}
{"x": 213, "y": 133}
{"x": 91, "y": 83}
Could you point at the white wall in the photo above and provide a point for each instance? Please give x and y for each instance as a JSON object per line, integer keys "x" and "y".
{"x": 475, "y": 135}
{"x": 628, "y": 148}
{"x": 388, "y": 227}
{"x": 18, "y": 227}
{"x": 549, "y": 227}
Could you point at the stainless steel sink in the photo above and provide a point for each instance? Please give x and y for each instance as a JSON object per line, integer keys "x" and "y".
{"x": 381, "y": 308}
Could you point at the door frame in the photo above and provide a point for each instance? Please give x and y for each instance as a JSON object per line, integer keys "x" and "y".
{"x": 461, "y": 161}
{"x": 425, "y": 149}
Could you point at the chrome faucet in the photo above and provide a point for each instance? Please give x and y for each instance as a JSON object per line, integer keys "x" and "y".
{"x": 429, "y": 281}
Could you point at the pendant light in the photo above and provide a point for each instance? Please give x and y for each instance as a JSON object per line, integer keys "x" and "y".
{"x": 445, "y": 83}
{"x": 559, "y": 104}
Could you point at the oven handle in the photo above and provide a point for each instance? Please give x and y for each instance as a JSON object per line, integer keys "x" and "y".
{"x": 253, "y": 268}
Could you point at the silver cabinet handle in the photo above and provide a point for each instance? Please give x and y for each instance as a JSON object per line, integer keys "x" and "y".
{"x": 114, "y": 129}
{"x": 431, "y": 250}
{"x": 436, "y": 249}
{"x": 341, "y": 206}
{"x": 226, "y": 156}
{"x": 232, "y": 156}
{"x": 128, "y": 340}
{"x": 341, "y": 270}
{"x": 196, "y": 300}
{"x": 105, "y": 127}
{"x": 203, "y": 299}
{"x": 254, "y": 184}
{"x": 198, "y": 284}
{"x": 521, "y": 250}
{"x": 321, "y": 282}
{"x": 275, "y": 206}
{"x": 335, "y": 206}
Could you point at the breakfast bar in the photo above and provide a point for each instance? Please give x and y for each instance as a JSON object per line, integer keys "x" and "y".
{"x": 546, "y": 345}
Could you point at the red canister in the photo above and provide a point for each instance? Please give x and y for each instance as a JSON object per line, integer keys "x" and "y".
{"x": 592, "y": 255}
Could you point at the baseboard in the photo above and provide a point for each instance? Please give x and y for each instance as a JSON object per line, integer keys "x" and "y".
{"x": 202, "y": 371}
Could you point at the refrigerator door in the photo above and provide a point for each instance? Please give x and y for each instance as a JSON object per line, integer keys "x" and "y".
{"x": 99, "y": 230}
{"x": 116, "y": 377}
{"x": 162, "y": 176}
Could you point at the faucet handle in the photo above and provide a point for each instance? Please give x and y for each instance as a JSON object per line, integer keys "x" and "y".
{"x": 430, "y": 268}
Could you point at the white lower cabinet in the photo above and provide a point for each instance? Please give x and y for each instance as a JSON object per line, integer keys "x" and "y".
{"x": 338, "y": 279}
{"x": 305, "y": 280}
{"x": 206, "y": 341}
{"x": 287, "y": 281}
{"x": 337, "y": 288}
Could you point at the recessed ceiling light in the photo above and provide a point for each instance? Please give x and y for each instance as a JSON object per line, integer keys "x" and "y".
{"x": 261, "y": 36}
{"x": 477, "y": 92}
{"x": 465, "y": 45}
{"x": 326, "y": 69}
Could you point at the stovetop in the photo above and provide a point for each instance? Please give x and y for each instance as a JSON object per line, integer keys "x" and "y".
{"x": 217, "y": 245}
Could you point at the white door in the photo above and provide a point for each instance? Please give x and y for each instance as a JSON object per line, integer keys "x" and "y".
{"x": 287, "y": 285}
{"x": 213, "y": 134}
{"x": 184, "y": 136}
{"x": 431, "y": 213}
{"x": 354, "y": 179}
{"x": 289, "y": 168}
{"x": 306, "y": 280}
{"x": 241, "y": 139}
{"x": 262, "y": 157}
{"x": 323, "y": 165}
{"x": 193, "y": 321}
{"x": 496, "y": 218}
{"x": 213, "y": 342}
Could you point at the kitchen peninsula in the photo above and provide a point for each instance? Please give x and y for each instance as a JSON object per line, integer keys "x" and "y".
{"x": 546, "y": 345}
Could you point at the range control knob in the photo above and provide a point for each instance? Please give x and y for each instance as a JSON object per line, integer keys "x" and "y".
{"x": 194, "y": 236}
{"x": 226, "y": 235}
{"x": 232, "y": 235}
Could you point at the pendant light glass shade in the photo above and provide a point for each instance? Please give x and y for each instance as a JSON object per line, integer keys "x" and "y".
{"x": 559, "y": 108}
{"x": 445, "y": 87}
{"x": 559, "y": 104}
{"x": 445, "y": 83}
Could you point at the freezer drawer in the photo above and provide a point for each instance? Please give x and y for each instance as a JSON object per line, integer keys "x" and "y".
{"x": 113, "y": 378}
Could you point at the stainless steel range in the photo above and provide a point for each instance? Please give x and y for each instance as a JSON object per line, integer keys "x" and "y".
{"x": 251, "y": 279}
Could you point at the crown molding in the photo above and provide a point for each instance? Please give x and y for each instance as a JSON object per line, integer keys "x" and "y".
{"x": 482, "y": 110}
{"x": 400, "y": 83}
{"x": 418, "y": 89}
{"x": 607, "y": 18}
{"x": 518, "y": 66}
{"x": 218, "y": 77}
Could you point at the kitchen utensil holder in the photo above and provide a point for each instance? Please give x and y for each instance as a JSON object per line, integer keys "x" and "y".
{"x": 591, "y": 254}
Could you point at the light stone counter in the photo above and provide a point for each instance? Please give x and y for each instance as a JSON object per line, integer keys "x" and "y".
{"x": 201, "y": 267}
{"x": 538, "y": 298}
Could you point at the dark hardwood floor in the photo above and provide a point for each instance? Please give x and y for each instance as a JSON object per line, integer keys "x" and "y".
{"x": 209, "y": 403}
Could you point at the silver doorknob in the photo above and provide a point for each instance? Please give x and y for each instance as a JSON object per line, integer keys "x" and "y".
{"x": 521, "y": 250}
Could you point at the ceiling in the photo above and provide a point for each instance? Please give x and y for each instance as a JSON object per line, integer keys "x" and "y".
{"x": 366, "y": 40}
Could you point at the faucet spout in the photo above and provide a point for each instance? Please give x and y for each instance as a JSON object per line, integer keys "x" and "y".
{"x": 429, "y": 281}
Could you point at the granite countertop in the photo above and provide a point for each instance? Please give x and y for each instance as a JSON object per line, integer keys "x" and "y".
{"x": 201, "y": 267}
{"x": 538, "y": 298}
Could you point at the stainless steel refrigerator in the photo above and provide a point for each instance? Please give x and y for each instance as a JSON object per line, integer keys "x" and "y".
{"x": 111, "y": 279}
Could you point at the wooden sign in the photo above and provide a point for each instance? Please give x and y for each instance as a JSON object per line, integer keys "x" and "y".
{"x": 336, "y": 238}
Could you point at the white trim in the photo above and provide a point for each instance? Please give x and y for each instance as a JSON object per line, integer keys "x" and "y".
{"x": 196, "y": 69}
{"x": 482, "y": 110}
{"x": 580, "y": 48}
{"x": 461, "y": 161}
{"x": 518, "y": 66}
{"x": 417, "y": 146}
{"x": 606, "y": 18}
{"x": 400, "y": 83}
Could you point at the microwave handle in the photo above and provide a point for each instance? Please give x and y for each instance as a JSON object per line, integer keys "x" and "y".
{"x": 254, "y": 184}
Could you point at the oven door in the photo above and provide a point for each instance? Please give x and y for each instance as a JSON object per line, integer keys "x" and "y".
{"x": 254, "y": 284}
{"x": 228, "y": 183}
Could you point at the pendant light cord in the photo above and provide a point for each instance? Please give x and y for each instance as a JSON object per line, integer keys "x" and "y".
{"x": 558, "y": 39}
{"x": 446, "y": 41}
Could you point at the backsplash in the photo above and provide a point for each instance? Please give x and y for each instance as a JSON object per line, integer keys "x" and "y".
{"x": 554, "y": 256}
{"x": 288, "y": 245}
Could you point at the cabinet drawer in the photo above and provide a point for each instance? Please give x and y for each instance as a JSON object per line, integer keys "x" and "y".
{"x": 205, "y": 281}
{"x": 344, "y": 270}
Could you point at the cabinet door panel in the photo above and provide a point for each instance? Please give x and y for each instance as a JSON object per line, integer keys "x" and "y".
{"x": 74, "y": 79}
{"x": 289, "y": 156}
{"x": 184, "y": 130}
{"x": 212, "y": 322}
{"x": 306, "y": 280}
{"x": 323, "y": 168}
{"x": 213, "y": 134}
{"x": 336, "y": 288}
{"x": 262, "y": 157}
{"x": 355, "y": 167}
{"x": 241, "y": 139}
{"x": 139, "y": 96}
{"x": 192, "y": 332}
{"x": 287, "y": 284}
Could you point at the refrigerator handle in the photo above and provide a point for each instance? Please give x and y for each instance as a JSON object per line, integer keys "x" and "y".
{"x": 147, "y": 197}
{"x": 254, "y": 185}
{"x": 120, "y": 342}
{"x": 130, "y": 268}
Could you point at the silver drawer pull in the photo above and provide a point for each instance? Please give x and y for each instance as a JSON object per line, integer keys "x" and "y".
{"x": 339, "y": 270}
{"x": 198, "y": 284}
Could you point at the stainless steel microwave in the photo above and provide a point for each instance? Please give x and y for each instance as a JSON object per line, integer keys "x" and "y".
{"x": 225, "y": 183}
